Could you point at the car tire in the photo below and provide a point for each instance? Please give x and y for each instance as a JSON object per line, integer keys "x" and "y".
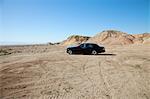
{"x": 94, "y": 52}
{"x": 70, "y": 52}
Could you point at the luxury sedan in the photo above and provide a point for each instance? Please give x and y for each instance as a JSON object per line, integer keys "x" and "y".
{"x": 86, "y": 48}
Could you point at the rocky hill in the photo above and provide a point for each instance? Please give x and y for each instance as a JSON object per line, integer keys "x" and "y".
{"x": 110, "y": 37}
{"x": 142, "y": 38}
{"x": 74, "y": 39}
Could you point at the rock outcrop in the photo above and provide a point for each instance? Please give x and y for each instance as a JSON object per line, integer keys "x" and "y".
{"x": 74, "y": 39}
{"x": 110, "y": 37}
{"x": 142, "y": 38}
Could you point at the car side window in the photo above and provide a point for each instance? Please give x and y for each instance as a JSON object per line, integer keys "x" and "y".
{"x": 89, "y": 46}
{"x": 82, "y": 45}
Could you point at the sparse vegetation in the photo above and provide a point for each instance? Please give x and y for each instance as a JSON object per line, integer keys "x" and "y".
{"x": 4, "y": 52}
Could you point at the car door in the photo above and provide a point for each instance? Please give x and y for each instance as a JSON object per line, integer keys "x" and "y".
{"x": 89, "y": 48}
{"x": 78, "y": 49}
{"x": 82, "y": 48}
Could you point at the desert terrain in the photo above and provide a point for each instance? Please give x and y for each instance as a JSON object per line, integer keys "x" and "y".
{"x": 48, "y": 72}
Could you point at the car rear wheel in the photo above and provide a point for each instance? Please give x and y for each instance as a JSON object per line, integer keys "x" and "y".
{"x": 94, "y": 52}
{"x": 70, "y": 52}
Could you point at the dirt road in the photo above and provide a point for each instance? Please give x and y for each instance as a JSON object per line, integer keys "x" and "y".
{"x": 123, "y": 72}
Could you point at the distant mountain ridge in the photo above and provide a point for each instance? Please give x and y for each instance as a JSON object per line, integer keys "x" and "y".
{"x": 109, "y": 37}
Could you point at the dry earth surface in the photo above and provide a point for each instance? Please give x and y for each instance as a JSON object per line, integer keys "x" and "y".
{"x": 47, "y": 72}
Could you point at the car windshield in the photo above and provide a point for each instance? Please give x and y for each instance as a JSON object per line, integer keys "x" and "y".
{"x": 82, "y": 45}
{"x": 89, "y": 45}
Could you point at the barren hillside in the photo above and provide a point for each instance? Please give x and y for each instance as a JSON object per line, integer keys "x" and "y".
{"x": 110, "y": 37}
{"x": 142, "y": 38}
{"x": 74, "y": 39}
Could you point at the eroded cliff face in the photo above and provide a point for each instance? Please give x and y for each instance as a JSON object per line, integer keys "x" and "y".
{"x": 109, "y": 37}
{"x": 142, "y": 38}
{"x": 112, "y": 37}
{"x": 74, "y": 39}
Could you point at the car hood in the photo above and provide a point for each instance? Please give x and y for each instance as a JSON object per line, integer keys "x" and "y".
{"x": 72, "y": 46}
{"x": 100, "y": 45}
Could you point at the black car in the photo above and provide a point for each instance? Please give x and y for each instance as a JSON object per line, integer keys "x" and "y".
{"x": 86, "y": 48}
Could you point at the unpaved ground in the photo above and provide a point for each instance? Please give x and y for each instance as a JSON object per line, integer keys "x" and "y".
{"x": 47, "y": 72}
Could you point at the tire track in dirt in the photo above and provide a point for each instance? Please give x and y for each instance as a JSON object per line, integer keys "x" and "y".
{"x": 107, "y": 94}
{"x": 56, "y": 75}
{"x": 137, "y": 70}
{"x": 87, "y": 76}
{"x": 78, "y": 69}
{"x": 20, "y": 86}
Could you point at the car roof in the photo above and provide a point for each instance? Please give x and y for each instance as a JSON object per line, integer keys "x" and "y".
{"x": 94, "y": 44}
{"x": 89, "y": 43}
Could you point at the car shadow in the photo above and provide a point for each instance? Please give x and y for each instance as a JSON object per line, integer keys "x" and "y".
{"x": 107, "y": 54}
{"x": 101, "y": 54}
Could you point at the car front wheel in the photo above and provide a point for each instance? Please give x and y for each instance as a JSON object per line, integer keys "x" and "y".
{"x": 70, "y": 52}
{"x": 94, "y": 52}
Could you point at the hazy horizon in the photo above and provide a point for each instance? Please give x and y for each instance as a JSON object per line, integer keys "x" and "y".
{"x": 42, "y": 21}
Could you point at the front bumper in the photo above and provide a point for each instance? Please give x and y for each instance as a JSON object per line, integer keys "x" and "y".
{"x": 103, "y": 50}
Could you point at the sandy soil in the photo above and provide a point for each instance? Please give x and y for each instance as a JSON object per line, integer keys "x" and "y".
{"x": 47, "y": 72}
